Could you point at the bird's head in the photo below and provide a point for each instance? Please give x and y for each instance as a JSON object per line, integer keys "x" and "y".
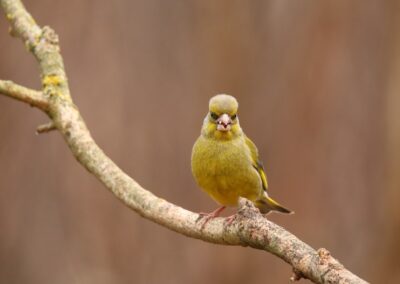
{"x": 222, "y": 121}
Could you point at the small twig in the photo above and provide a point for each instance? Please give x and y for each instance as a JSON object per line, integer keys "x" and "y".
{"x": 23, "y": 94}
{"x": 296, "y": 276}
{"x": 47, "y": 127}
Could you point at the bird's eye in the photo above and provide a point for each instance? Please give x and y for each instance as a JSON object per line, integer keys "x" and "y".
{"x": 233, "y": 117}
{"x": 214, "y": 115}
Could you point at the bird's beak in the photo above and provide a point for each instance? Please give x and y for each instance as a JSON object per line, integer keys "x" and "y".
{"x": 224, "y": 122}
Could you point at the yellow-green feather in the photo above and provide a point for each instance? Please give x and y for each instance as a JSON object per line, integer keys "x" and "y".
{"x": 223, "y": 104}
{"x": 222, "y": 168}
{"x": 257, "y": 164}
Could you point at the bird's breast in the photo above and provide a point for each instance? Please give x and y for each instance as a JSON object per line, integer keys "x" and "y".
{"x": 224, "y": 170}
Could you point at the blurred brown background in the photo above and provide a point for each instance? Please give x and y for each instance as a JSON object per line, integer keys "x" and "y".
{"x": 318, "y": 84}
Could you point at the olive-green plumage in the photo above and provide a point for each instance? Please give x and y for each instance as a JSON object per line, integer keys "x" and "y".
{"x": 225, "y": 161}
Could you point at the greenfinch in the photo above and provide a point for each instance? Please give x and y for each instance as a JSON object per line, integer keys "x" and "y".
{"x": 225, "y": 162}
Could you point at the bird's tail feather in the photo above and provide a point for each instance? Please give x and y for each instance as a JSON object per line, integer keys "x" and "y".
{"x": 268, "y": 204}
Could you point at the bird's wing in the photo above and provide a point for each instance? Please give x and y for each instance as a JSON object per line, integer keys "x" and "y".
{"x": 257, "y": 164}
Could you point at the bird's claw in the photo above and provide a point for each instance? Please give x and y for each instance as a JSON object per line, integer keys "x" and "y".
{"x": 202, "y": 215}
{"x": 229, "y": 220}
{"x": 205, "y": 217}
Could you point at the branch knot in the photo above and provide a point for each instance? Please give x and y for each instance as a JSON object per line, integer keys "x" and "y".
{"x": 49, "y": 35}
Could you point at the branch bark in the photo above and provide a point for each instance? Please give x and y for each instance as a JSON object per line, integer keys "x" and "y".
{"x": 249, "y": 229}
{"x": 20, "y": 93}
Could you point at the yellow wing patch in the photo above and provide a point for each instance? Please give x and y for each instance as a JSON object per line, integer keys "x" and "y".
{"x": 256, "y": 162}
{"x": 263, "y": 176}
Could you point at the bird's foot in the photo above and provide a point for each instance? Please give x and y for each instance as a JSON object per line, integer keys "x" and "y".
{"x": 205, "y": 217}
{"x": 228, "y": 220}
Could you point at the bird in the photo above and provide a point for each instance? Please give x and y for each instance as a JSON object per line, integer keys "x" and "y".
{"x": 225, "y": 163}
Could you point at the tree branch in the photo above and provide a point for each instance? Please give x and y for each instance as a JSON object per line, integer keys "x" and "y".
{"x": 32, "y": 97}
{"x": 249, "y": 229}
{"x": 46, "y": 127}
